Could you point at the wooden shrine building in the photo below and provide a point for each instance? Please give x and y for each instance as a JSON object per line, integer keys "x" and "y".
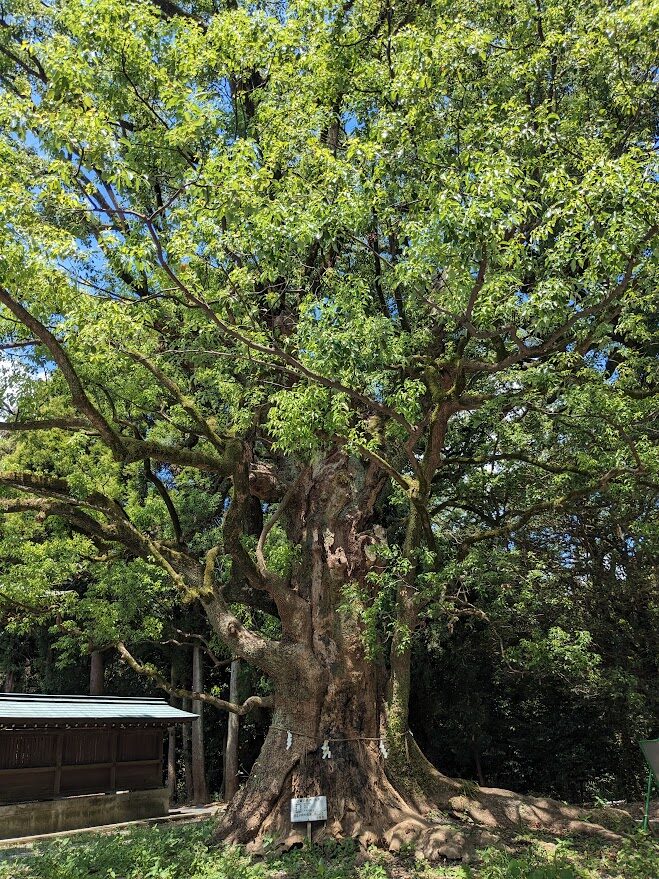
{"x": 78, "y": 761}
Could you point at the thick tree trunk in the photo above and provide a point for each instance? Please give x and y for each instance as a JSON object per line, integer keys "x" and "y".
{"x": 326, "y": 732}
{"x": 371, "y": 798}
{"x": 324, "y": 740}
{"x": 232, "y": 737}
{"x": 340, "y": 722}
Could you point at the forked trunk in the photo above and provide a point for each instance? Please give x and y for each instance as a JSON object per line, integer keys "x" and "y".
{"x": 328, "y": 735}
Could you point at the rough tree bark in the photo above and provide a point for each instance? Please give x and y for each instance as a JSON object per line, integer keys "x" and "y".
{"x": 325, "y": 686}
{"x": 339, "y": 725}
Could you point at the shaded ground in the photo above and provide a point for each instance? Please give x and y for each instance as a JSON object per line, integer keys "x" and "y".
{"x": 183, "y": 852}
{"x": 22, "y": 845}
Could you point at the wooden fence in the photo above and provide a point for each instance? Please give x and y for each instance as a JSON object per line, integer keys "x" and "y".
{"x": 46, "y": 764}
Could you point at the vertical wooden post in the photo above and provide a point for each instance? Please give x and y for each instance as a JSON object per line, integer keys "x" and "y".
{"x": 198, "y": 757}
{"x": 114, "y": 746}
{"x": 59, "y": 752}
{"x": 171, "y": 744}
{"x": 187, "y": 764}
{"x": 171, "y": 763}
{"x": 232, "y": 737}
{"x": 97, "y": 673}
{"x": 648, "y": 796}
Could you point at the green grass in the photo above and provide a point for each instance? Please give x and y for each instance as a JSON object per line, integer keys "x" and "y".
{"x": 183, "y": 852}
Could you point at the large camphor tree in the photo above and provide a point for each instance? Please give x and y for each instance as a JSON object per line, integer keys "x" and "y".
{"x": 288, "y": 291}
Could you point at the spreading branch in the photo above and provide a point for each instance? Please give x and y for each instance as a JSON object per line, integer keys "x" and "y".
{"x": 519, "y": 518}
{"x": 123, "y": 448}
{"x": 79, "y": 398}
{"x": 162, "y": 683}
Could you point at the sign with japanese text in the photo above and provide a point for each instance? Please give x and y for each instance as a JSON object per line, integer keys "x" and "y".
{"x": 308, "y": 809}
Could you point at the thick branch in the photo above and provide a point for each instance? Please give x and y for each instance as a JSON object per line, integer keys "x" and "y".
{"x": 164, "y": 494}
{"x": 80, "y": 399}
{"x": 522, "y": 517}
{"x": 54, "y": 487}
{"x": 123, "y": 448}
{"x": 265, "y": 654}
{"x": 293, "y": 610}
{"x": 155, "y": 676}
{"x": 187, "y": 403}
{"x": 121, "y": 531}
{"x": 81, "y": 521}
{"x": 137, "y": 450}
{"x": 272, "y": 521}
{"x": 45, "y": 424}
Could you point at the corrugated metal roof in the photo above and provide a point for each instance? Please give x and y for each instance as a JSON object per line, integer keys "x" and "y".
{"x": 20, "y": 708}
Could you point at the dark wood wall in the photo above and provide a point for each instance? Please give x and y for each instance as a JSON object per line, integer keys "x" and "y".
{"x": 42, "y": 765}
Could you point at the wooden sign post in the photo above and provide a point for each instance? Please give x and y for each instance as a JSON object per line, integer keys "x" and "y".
{"x": 308, "y": 809}
{"x": 651, "y": 753}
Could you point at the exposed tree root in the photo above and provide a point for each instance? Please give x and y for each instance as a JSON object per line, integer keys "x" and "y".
{"x": 440, "y": 817}
{"x": 362, "y": 802}
{"x": 439, "y": 841}
{"x": 498, "y": 809}
{"x": 495, "y": 809}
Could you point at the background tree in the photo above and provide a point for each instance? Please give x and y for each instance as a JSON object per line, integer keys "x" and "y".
{"x": 314, "y": 275}
{"x": 545, "y": 656}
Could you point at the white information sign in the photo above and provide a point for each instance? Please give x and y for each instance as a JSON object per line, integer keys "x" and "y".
{"x": 309, "y": 809}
